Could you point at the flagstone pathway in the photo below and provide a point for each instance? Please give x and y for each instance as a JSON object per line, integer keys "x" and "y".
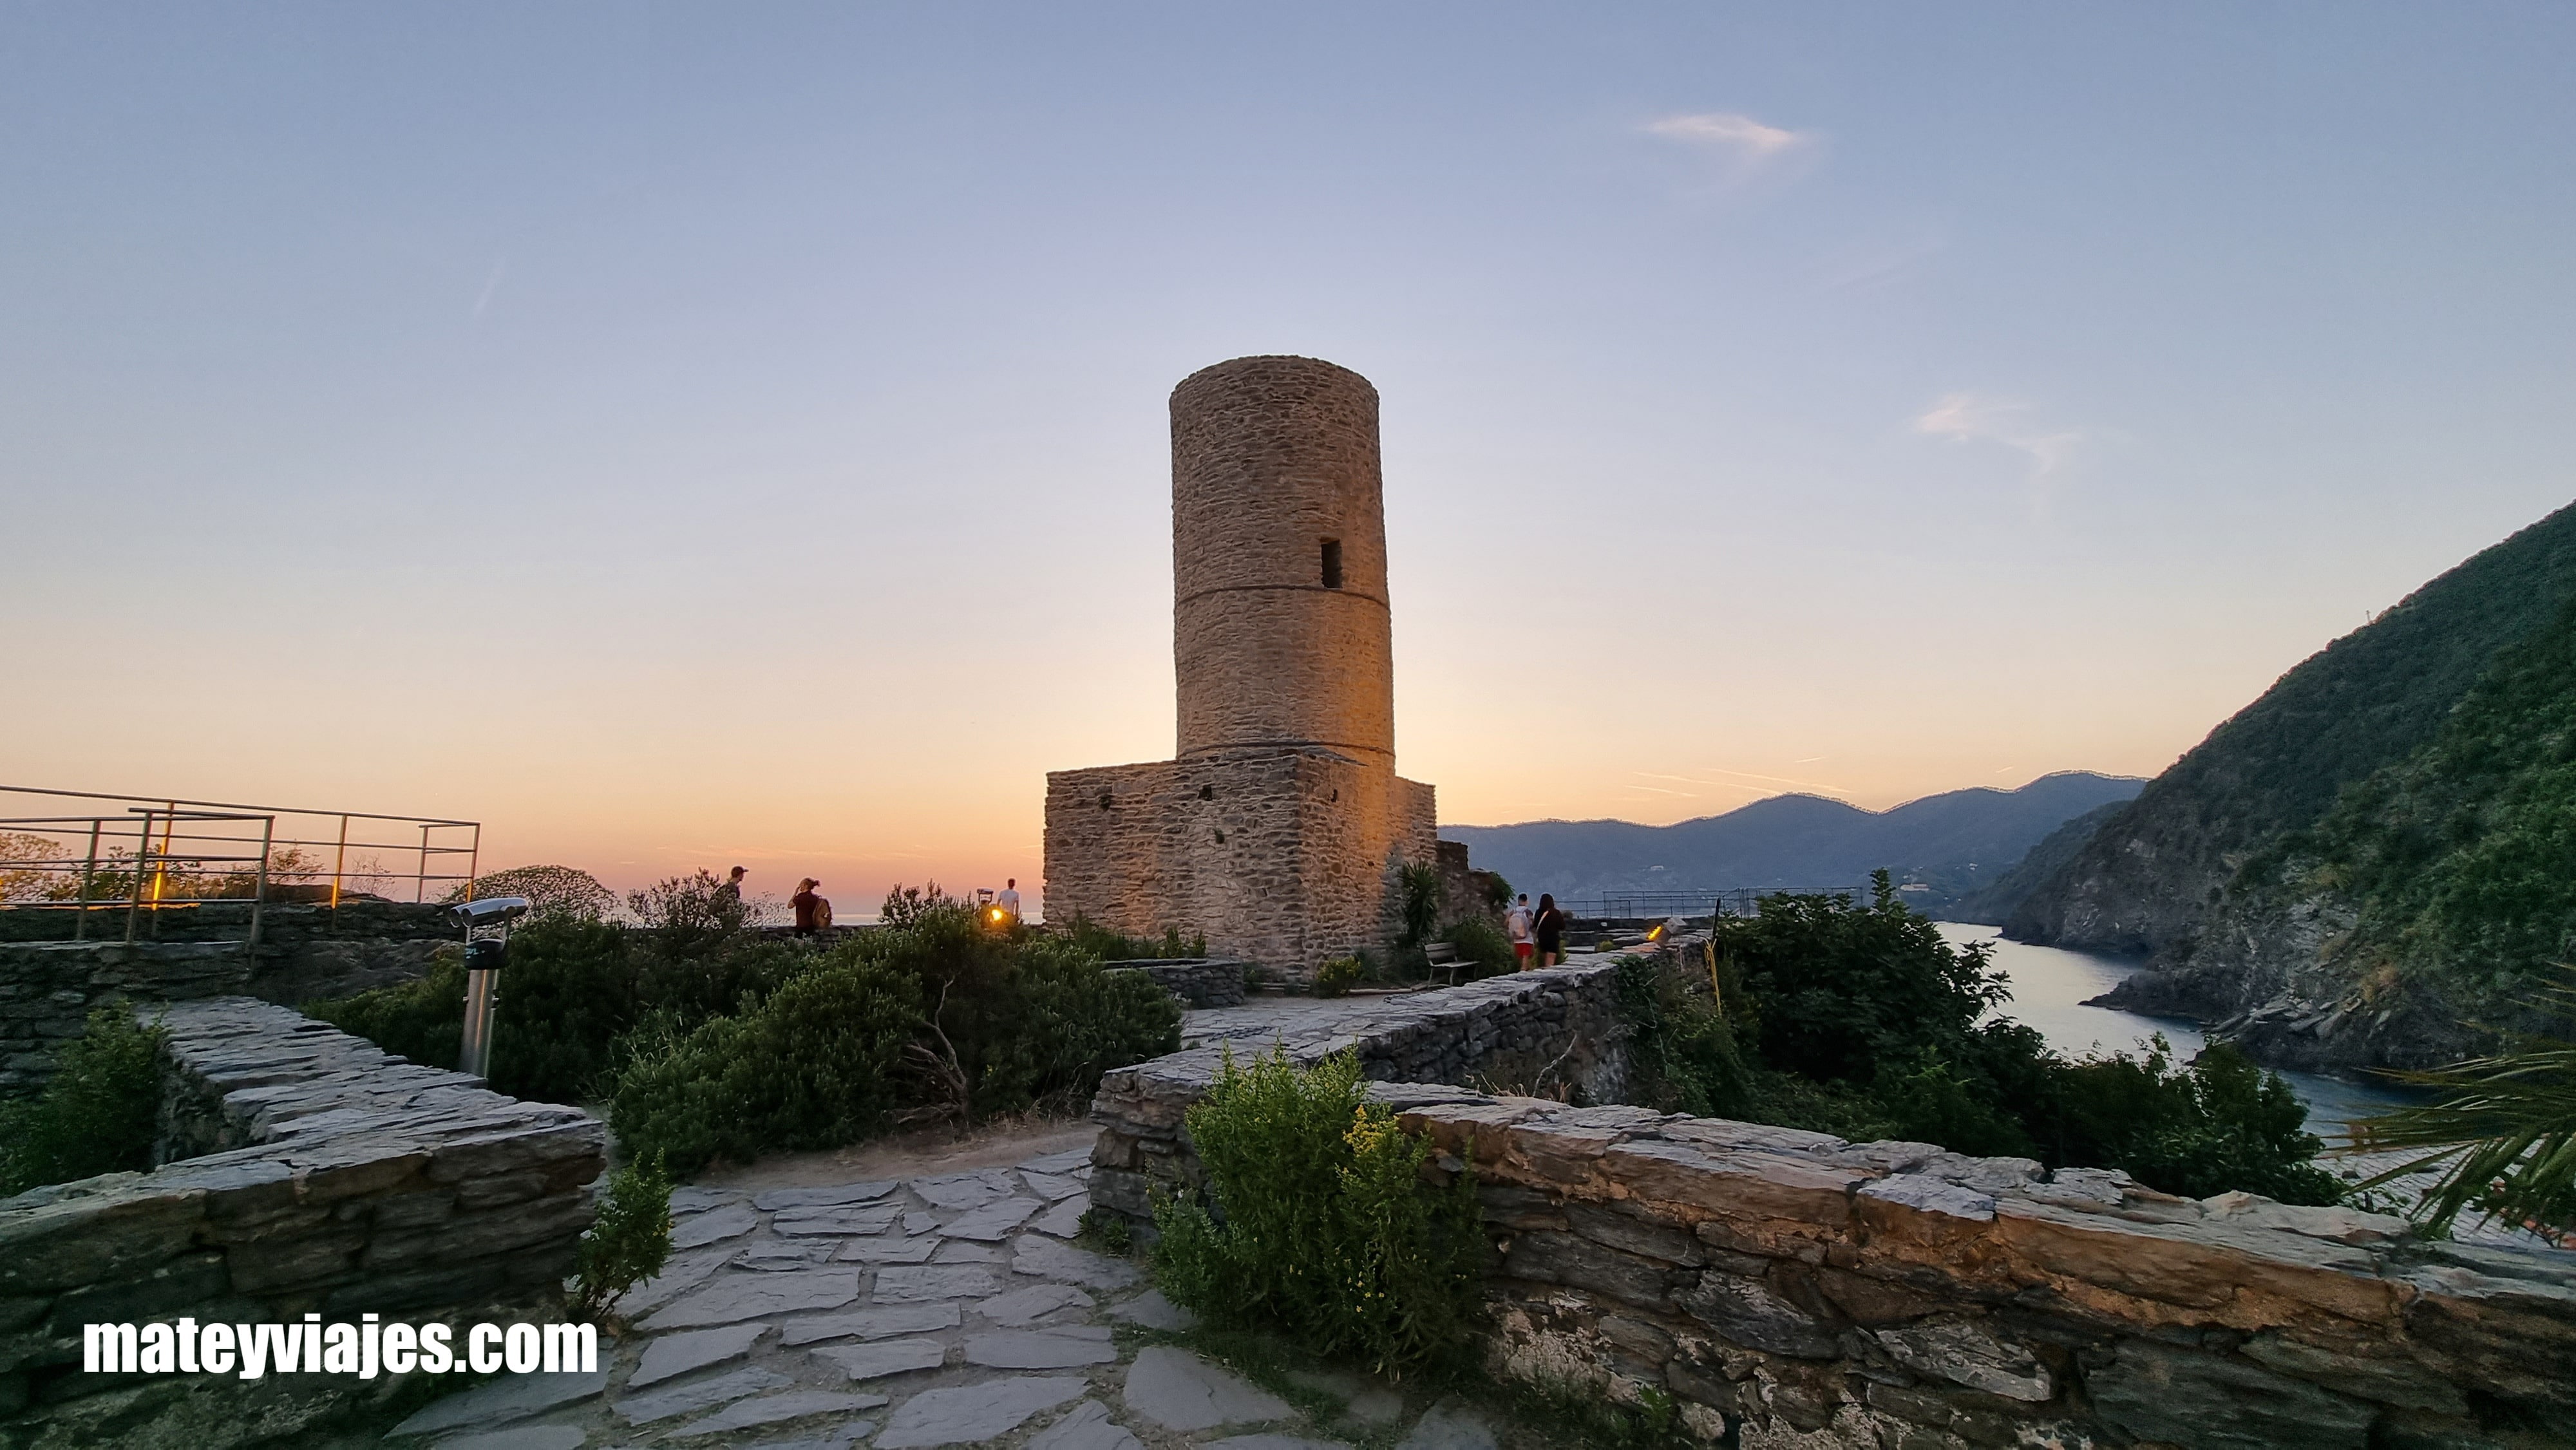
{"x": 946, "y": 1310}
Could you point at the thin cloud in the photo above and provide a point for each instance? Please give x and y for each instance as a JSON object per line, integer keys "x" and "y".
{"x": 1737, "y": 135}
{"x": 1975, "y": 418}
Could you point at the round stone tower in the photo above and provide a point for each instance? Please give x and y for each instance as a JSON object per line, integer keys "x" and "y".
{"x": 1280, "y": 629}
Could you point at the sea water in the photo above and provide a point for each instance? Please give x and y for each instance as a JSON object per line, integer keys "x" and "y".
{"x": 2050, "y": 985}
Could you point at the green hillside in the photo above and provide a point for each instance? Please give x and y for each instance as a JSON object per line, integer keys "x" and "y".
{"x": 2458, "y": 865}
{"x": 2148, "y": 880}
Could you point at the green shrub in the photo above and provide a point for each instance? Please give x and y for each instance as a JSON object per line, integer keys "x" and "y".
{"x": 95, "y": 1115}
{"x": 1074, "y": 1021}
{"x": 1682, "y": 1053}
{"x": 813, "y": 1066}
{"x": 630, "y": 1240}
{"x": 1109, "y": 946}
{"x": 422, "y": 1019}
{"x": 550, "y": 890}
{"x": 1860, "y": 1020}
{"x": 1327, "y": 1231}
{"x": 1487, "y": 948}
{"x": 1335, "y": 978}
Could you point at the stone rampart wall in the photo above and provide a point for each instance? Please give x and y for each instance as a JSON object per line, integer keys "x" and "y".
{"x": 1798, "y": 1292}
{"x": 47, "y": 988}
{"x": 331, "y": 1178}
{"x": 1196, "y": 981}
{"x": 1812, "y": 1292}
{"x": 1556, "y": 1030}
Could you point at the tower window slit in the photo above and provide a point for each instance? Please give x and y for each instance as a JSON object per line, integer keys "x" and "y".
{"x": 1332, "y": 563}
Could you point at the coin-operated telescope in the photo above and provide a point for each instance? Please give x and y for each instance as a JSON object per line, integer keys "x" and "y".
{"x": 484, "y": 958}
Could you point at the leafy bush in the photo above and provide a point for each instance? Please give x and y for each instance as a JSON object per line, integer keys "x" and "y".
{"x": 1483, "y": 944}
{"x": 813, "y": 1066}
{"x": 95, "y": 1115}
{"x": 1334, "y": 978}
{"x": 422, "y": 1019}
{"x": 630, "y": 1240}
{"x": 941, "y": 1017}
{"x": 1109, "y": 946}
{"x": 1328, "y": 1232}
{"x": 550, "y": 890}
{"x": 1860, "y": 1020}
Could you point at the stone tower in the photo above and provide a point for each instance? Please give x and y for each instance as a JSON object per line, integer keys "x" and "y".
{"x": 1278, "y": 828}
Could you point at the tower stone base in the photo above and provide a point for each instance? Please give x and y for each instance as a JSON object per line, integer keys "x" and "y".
{"x": 1285, "y": 857}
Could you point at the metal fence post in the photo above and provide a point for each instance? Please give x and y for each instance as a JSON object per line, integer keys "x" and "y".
{"x": 339, "y": 859}
{"x": 80, "y": 912}
{"x": 142, "y": 855}
{"x": 259, "y": 892}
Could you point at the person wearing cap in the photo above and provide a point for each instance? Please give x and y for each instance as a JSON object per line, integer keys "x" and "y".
{"x": 813, "y": 913}
{"x": 729, "y": 890}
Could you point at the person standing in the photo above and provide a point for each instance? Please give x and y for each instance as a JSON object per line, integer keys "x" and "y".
{"x": 1550, "y": 930}
{"x": 813, "y": 913}
{"x": 1517, "y": 922}
{"x": 1009, "y": 900}
{"x": 729, "y": 891}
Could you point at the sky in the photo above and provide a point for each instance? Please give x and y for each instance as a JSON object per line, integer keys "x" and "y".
{"x": 677, "y": 436}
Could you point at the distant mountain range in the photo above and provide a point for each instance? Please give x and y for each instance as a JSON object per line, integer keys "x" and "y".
{"x": 1942, "y": 848}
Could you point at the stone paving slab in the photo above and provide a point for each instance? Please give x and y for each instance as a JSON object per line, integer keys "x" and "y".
{"x": 700, "y": 1229}
{"x": 778, "y": 1199}
{"x": 909, "y": 1284}
{"x": 1048, "y": 1259}
{"x": 993, "y": 1222}
{"x": 1037, "y": 1349}
{"x": 673, "y": 1355}
{"x": 1179, "y": 1390}
{"x": 885, "y": 1357}
{"x": 1088, "y": 1427}
{"x": 1022, "y": 1307}
{"x": 741, "y": 1296}
{"x": 882, "y": 1323}
{"x": 644, "y": 1409}
{"x": 497, "y": 1402}
{"x": 963, "y": 1414}
{"x": 773, "y": 1409}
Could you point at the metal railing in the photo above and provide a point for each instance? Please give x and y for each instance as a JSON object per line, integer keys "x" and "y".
{"x": 1648, "y": 905}
{"x": 161, "y": 853}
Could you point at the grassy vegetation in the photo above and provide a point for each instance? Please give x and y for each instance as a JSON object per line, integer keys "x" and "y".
{"x": 95, "y": 1115}
{"x": 1859, "y": 1019}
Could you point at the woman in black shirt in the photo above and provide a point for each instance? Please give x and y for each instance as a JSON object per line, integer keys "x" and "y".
{"x": 1550, "y": 931}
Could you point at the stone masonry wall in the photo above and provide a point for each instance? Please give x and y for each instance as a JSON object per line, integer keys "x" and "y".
{"x": 1556, "y": 1030}
{"x": 1284, "y": 858}
{"x": 47, "y": 988}
{"x": 1810, "y": 1292}
{"x": 1196, "y": 981}
{"x": 1798, "y": 1292}
{"x": 331, "y": 1178}
{"x": 1271, "y": 456}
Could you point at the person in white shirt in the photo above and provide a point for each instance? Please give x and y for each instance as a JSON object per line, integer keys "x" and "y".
{"x": 1517, "y": 922}
{"x": 1009, "y": 900}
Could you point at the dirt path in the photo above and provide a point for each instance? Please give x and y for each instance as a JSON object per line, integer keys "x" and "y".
{"x": 911, "y": 1155}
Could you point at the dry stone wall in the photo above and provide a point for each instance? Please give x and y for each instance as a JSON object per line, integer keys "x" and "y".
{"x": 49, "y": 984}
{"x": 1284, "y": 858}
{"x": 1794, "y": 1291}
{"x": 1551, "y": 1030}
{"x": 304, "y": 1171}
